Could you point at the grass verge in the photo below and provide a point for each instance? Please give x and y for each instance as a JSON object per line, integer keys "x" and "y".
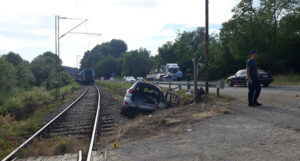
{"x": 165, "y": 121}
{"x": 287, "y": 80}
{"x": 117, "y": 89}
{"x": 13, "y": 132}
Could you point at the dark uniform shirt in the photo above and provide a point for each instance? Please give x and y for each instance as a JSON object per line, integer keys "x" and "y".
{"x": 251, "y": 63}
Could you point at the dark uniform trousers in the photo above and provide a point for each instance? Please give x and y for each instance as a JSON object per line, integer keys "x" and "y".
{"x": 254, "y": 91}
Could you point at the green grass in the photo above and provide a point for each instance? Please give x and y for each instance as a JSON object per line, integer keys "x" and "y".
{"x": 13, "y": 132}
{"x": 118, "y": 89}
{"x": 289, "y": 80}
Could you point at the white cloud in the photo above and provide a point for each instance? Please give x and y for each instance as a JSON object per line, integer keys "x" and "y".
{"x": 141, "y": 23}
{"x": 8, "y": 43}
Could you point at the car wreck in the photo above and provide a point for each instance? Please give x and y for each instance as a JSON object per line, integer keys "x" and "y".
{"x": 144, "y": 97}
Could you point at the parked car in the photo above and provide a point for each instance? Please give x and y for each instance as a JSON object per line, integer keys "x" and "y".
{"x": 142, "y": 97}
{"x": 240, "y": 78}
{"x": 140, "y": 78}
{"x": 112, "y": 79}
{"x": 159, "y": 77}
{"x": 130, "y": 79}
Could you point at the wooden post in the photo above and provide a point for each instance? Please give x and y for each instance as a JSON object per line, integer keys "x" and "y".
{"x": 218, "y": 92}
{"x": 169, "y": 86}
{"x": 179, "y": 86}
{"x": 195, "y": 64}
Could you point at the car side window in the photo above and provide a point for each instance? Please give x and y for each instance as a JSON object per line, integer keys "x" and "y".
{"x": 243, "y": 73}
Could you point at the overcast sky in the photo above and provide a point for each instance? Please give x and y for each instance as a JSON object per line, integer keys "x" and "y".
{"x": 27, "y": 26}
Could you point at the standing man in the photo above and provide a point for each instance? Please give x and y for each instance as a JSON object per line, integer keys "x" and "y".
{"x": 253, "y": 82}
{"x": 188, "y": 74}
{"x": 179, "y": 75}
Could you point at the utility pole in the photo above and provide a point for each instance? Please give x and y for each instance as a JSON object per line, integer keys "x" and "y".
{"x": 206, "y": 44}
{"x": 57, "y": 43}
{"x": 57, "y": 54}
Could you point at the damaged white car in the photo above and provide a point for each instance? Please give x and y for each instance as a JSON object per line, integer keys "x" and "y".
{"x": 142, "y": 97}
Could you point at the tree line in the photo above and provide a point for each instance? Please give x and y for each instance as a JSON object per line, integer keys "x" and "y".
{"x": 272, "y": 28}
{"x": 112, "y": 59}
{"x": 17, "y": 73}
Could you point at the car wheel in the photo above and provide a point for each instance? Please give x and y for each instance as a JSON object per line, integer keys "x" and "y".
{"x": 129, "y": 112}
{"x": 230, "y": 83}
{"x": 266, "y": 85}
{"x": 124, "y": 111}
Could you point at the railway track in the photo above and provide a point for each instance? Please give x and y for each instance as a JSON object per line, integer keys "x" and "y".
{"x": 83, "y": 118}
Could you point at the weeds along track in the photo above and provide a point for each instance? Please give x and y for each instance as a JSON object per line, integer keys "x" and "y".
{"x": 83, "y": 118}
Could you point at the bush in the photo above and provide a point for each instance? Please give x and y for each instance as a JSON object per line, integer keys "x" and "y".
{"x": 22, "y": 114}
{"x": 63, "y": 78}
{"x": 61, "y": 148}
{"x": 24, "y": 103}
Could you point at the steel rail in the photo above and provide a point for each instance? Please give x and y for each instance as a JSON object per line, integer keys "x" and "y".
{"x": 43, "y": 128}
{"x": 89, "y": 154}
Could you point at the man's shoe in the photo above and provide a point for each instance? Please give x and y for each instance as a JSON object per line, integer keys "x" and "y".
{"x": 257, "y": 103}
{"x": 252, "y": 105}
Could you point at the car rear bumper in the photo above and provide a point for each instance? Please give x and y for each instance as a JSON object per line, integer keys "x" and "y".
{"x": 265, "y": 80}
{"x": 146, "y": 107}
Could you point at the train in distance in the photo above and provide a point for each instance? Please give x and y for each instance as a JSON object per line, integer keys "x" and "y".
{"x": 86, "y": 76}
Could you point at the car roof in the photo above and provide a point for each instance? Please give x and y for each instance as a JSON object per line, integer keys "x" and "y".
{"x": 259, "y": 71}
{"x": 146, "y": 84}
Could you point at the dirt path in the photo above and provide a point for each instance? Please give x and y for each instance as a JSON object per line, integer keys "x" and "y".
{"x": 270, "y": 132}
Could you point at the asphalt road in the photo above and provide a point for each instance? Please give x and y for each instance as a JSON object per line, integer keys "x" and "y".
{"x": 267, "y": 133}
{"x": 270, "y": 88}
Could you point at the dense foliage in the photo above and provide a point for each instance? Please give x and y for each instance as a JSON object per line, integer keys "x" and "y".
{"x": 273, "y": 29}
{"x": 23, "y": 113}
{"x": 114, "y": 48}
{"x": 112, "y": 58}
{"x": 20, "y": 76}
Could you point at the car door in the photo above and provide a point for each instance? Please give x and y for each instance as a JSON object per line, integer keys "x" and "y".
{"x": 240, "y": 78}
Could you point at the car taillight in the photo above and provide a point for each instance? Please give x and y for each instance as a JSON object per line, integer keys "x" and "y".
{"x": 130, "y": 91}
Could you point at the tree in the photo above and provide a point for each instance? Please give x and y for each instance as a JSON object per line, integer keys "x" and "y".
{"x": 7, "y": 75}
{"x": 13, "y": 58}
{"x": 107, "y": 66}
{"x": 118, "y": 47}
{"x": 113, "y": 48}
{"x": 24, "y": 76}
{"x": 63, "y": 77}
{"x": 261, "y": 28}
{"x": 185, "y": 48}
{"x": 90, "y": 59}
{"x": 136, "y": 63}
{"x": 166, "y": 53}
{"x": 43, "y": 65}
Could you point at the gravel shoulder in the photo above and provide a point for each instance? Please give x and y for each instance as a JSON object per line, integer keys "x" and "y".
{"x": 270, "y": 132}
